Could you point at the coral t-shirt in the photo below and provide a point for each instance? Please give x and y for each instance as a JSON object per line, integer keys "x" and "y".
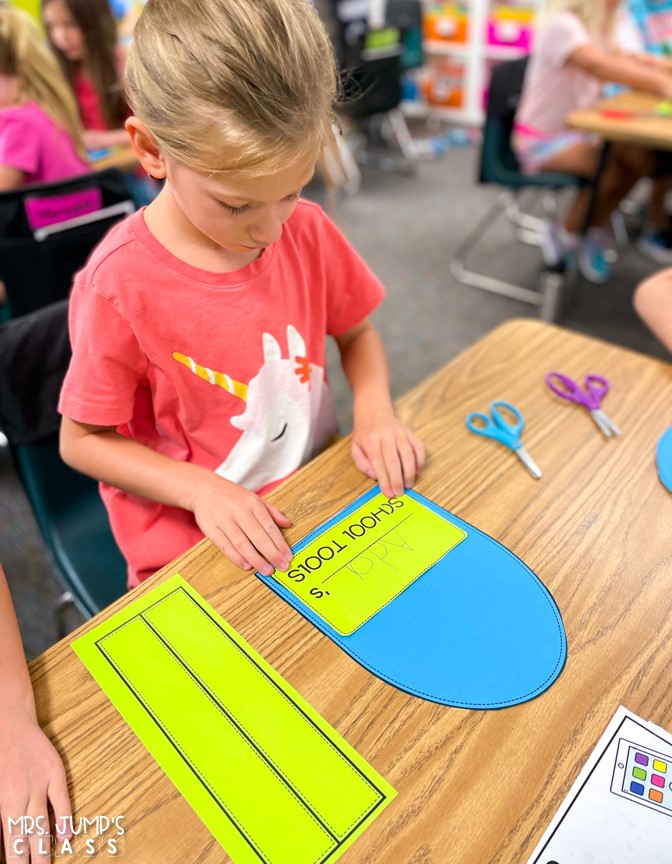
{"x": 224, "y": 370}
{"x": 31, "y": 142}
{"x": 552, "y": 89}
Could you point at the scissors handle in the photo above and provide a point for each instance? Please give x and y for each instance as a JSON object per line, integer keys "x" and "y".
{"x": 590, "y": 395}
{"x": 497, "y": 426}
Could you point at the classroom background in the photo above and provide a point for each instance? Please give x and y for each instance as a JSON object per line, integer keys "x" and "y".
{"x": 403, "y": 186}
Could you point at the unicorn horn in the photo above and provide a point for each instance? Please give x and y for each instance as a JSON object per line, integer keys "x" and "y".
{"x": 213, "y": 377}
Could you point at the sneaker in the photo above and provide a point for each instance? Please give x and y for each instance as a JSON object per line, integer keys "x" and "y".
{"x": 656, "y": 245}
{"x": 557, "y": 246}
{"x": 593, "y": 260}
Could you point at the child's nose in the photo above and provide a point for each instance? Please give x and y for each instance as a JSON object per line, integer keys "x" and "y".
{"x": 268, "y": 229}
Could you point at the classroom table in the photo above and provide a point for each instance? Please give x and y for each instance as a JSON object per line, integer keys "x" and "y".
{"x": 474, "y": 787}
{"x": 644, "y": 128}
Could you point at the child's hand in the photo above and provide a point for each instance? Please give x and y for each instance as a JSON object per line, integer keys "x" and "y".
{"x": 31, "y": 775}
{"x": 242, "y": 525}
{"x": 385, "y": 450}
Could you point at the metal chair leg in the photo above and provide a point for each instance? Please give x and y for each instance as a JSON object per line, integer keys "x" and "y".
{"x": 551, "y": 294}
{"x": 65, "y": 601}
{"x": 480, "y": 280}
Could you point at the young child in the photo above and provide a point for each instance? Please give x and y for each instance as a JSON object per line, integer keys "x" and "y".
{"x": 644, "y": 28}
{"x": 39, "y": 129}
{"x": 653, "y": 303}
{"x": 197, "y": 381}
{"x": 83, "y": 35}
{"x": 572, "y": 58}
{"x": 31, "y": 772}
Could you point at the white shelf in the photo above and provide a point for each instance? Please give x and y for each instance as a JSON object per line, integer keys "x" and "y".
{"x": 444, "y": 47}
{"x": 474, "y": 55}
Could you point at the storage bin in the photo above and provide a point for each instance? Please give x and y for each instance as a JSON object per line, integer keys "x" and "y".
{"x": 445, "y": 24}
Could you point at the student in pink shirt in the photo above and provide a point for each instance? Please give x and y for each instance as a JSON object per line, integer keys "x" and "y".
{"x": 572, "y": 57}
{"x": 198, "y": 328}
{"x": 39, "y": 129}
{"x": 83, "y": 36}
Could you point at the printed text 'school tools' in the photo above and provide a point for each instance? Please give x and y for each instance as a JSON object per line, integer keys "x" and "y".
{"x": 506, "y": 433}
{"x": 590, "y": 397}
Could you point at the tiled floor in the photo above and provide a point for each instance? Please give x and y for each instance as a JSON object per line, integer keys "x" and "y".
{"x": 407, "y": 228}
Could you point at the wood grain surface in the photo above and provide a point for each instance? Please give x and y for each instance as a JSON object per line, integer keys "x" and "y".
{"x": 474, "y": 787}
{"x": 644, "y": 128}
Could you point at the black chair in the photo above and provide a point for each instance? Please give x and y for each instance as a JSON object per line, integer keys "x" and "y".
{"x": 34, "y": 356}
{"x": 499, "y": 166}
{"x": 372, "y": 92}
{"x": 48, "y": 230}
{"x": 406, "y": 16}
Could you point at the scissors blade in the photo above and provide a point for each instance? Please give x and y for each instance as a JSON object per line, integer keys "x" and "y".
{"x": 608, "y": 422}
{"x": 601, "y": 423}
{"x": 528, "y": 462}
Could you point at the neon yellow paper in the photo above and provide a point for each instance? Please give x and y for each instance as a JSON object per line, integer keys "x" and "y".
{"x": 356, "y": 566}
{"x": 270, "y": 778}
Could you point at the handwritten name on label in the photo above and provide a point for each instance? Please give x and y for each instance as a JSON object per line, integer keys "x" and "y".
{"x": 354, "y": 568}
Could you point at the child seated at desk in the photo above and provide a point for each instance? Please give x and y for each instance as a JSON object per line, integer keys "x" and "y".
{"x": 40, "y": 135}
{"x": 31, "y": 772}
{"x": 572, "y": 57}
{"x": 197, "y": 381}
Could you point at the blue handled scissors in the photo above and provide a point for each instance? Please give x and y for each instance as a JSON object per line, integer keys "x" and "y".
{"x": 590, "y": 397}
{"x": 496, "y": 427}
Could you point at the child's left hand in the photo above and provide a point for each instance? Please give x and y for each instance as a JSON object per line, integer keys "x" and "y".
{"x": 387, "y": 451}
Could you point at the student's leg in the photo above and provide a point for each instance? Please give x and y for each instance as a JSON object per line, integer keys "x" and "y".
{"x": 653, "y": 303}
{"x": 624, "y": 166}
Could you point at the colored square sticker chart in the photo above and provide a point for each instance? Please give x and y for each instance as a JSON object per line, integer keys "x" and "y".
{"x": 619, "y": 808}
{"x": 271, "y": 779}
{"x": 356, "y": 565}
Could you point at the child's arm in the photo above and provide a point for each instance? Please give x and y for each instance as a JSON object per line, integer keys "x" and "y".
{"x": 621, "y": 69}
{"x": 240, "y": 523}
{"x": 382, "y": 447}
{"x": 653, "y": 303}
{"x": 31, "y": 772}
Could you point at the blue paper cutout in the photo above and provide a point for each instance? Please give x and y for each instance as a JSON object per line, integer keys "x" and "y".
{"x": 664, "y": 459}
{"x": 476, "y": 630}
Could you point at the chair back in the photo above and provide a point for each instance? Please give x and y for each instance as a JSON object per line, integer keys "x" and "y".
{"x": 34, "y": 356}
{"x": 406, "y": 16}
{"x": 48, "y": 230}
{"x": 498, "y": 161}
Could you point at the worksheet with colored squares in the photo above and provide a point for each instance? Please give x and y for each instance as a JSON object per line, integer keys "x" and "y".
{"x": 619, "y": 808}
{"x": 644, "y": 775}
{"x": 273, "y": 782}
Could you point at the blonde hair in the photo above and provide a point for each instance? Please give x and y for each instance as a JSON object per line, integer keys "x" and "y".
{"x": 597, "y": 17}
{"x": 233, "y": 86}
{"x": 24, "y": 54}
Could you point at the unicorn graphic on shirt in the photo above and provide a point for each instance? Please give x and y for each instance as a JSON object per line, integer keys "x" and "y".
{"x": 288, "y": 417}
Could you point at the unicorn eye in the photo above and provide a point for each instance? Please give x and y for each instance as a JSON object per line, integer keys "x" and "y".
{"x": 278, "y": 437}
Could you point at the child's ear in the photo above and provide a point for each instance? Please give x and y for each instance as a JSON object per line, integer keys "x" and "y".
{"x": 146, "y": 148}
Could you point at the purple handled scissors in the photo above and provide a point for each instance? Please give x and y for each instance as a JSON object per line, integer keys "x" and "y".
{"x": 590, "y": 396}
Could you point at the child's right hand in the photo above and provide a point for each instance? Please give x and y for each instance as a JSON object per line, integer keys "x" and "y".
{"x": 242, "y": 525}
{"x": 31, "y": 774}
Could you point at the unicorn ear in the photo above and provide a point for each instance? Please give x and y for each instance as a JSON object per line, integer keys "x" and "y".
{"x": 271, "y": 348}
{"x": 297, "y": 347}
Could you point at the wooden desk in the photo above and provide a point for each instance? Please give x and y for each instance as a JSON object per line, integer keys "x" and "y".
{"x": 474, "y": 787}
{"x": 645, "y": 129}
